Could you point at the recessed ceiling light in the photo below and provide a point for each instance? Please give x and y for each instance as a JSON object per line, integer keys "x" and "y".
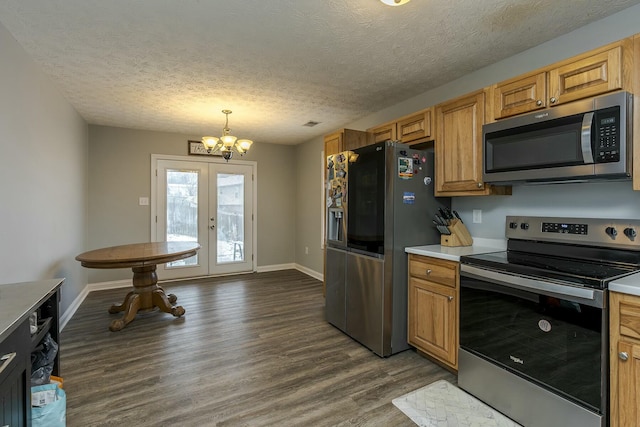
{"x": 394, "y": 2}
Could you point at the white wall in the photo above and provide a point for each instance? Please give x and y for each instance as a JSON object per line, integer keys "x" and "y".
{"x": 43, "y": 177}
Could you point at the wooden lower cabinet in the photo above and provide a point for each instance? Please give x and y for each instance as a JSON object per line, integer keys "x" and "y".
{"x": 624, "y": 360}
{"x": 433, "y": 308}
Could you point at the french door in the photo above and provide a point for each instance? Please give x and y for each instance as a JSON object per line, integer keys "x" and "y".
{"x": 206, "y": 202}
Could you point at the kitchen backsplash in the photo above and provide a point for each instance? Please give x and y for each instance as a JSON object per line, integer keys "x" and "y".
{"x": 610, "y": 199}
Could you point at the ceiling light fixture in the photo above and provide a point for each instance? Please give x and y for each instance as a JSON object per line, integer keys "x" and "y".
{"x": 395, "y": 2}
{"x": 227, "y": 143}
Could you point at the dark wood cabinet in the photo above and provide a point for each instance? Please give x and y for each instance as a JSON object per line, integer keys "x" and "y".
{"x": 17, "y": 343}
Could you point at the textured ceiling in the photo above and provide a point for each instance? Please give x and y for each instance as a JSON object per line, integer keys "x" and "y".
{"x": 172, "y": 65}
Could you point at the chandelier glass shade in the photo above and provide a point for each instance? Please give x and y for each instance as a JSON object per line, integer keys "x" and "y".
{"x": 227, "y": 143}
{"x": 395, "y": 2}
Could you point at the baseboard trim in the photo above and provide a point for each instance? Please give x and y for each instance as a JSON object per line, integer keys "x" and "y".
{"x": 100, "y": 286}
{"x": 275, "y": 267}
{"x": 310, "y": 272}
{"x": 103, "y": 286}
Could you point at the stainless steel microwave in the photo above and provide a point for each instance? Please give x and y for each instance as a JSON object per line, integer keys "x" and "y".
{"x": 582, "y": 140}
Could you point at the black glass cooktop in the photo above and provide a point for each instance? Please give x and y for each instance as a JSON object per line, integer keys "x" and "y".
{"x": 579, "y": 266}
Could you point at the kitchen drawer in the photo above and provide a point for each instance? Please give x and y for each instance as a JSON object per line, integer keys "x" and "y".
{"x": 630, "y": 319}
{"x": 433, "y": 270}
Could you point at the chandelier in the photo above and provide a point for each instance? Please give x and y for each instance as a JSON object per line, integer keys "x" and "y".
{"x": 227, "y": 143}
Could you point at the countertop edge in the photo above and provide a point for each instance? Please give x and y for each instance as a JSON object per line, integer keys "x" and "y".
{"x": 453, "y": 253}
{"x": 53, "y": 285}
{"x": 629, "y": 285}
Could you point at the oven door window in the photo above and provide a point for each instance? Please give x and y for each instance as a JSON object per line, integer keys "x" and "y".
{"x": 553, "y": 342}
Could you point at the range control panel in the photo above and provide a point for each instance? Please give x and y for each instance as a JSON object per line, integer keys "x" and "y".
{"x": 616, "y": 233}
{"x": 564, "y": 227}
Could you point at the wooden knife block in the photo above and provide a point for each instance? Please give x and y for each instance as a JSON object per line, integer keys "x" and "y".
{"x": 459, "y": 235}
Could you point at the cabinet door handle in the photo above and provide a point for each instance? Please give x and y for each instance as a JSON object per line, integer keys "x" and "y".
{"x": 428, "y": 271}
{"x": 624, "y": 356}
{"x": 6, "y": 360}
{"x": 538, "y": 102}
{"x": 553, "y": 100}
{"x": 450, "y": 298}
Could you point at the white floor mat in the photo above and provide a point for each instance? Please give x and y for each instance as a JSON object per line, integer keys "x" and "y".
{"x": 441, "y": 404}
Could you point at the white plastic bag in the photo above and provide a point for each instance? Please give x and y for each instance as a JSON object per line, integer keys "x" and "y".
{"x": 48, "y": 406}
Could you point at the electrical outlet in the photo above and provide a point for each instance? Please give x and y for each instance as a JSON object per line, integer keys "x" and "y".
{"x": 477, "y": 216}
{"x": 306, "y": 250}
{"x": 143, "y": 201}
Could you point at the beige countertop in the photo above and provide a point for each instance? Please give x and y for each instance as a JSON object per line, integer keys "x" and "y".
{"x": 480, "y": 246}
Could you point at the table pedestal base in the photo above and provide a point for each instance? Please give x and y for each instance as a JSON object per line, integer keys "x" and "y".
{"x": 146, "y": 296}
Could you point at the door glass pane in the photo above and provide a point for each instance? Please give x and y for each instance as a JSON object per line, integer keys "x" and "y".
{"x": 230, "y": 218}
{"x": 182, "y": 211}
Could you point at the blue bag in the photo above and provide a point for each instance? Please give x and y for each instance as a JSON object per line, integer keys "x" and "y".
{"x": 48, "y": 406}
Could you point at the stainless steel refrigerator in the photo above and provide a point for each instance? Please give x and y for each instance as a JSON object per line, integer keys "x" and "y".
{"x": 389, "y": 205}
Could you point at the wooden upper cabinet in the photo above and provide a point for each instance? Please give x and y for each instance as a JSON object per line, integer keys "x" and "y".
{"x": 458, "y": 145}
{"x": 383, "y": 132}
{"x": 411, "y": 129}
{"x": 593, "y": 73}
{"x": 333, "y": 143}
{"x": 416, "y": 127}
{"x": 520, "y": 96}
{"x": 583, "y": 78}
{"x": 345, "y": 139}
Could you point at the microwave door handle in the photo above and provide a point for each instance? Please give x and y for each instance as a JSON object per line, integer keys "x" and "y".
{"x": 587, "y": 152}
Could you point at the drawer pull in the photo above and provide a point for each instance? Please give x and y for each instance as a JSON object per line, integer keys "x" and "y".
{"x": 6, "y": 360}
{"x": 623, "y": 355}
{"x": 428, "y": 271}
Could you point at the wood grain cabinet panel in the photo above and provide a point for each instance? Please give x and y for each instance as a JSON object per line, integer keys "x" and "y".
{"x": 624, "y": 356}
{"x": 458, "y": 145}
{"x": 386, "y": 132}
{"x": 333, "y": 144}
{"x": 411, "y": 129}
{"x": 520, "y": 96}
{"x": 433, "y": 308}
{"x": 587, "y": 77}
{"x": 416, "y": 127}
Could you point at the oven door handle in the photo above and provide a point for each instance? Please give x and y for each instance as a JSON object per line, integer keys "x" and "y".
{"x": 524, "y": 283}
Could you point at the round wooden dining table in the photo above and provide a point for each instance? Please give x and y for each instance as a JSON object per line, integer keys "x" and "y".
{"x": 142, "y": 258}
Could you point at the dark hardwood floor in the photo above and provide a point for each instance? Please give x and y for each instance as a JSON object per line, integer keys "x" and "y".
{"x": 251, "y": 350}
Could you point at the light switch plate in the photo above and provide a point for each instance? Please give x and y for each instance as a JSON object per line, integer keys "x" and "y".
{"x": 143, "y": 201}
{"x": 477, "y": 216}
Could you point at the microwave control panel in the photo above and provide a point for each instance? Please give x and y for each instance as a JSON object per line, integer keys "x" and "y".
{"x": 607, "y": 135}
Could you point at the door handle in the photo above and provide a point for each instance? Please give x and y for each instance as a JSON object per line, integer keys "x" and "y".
{"x": 212, "y": 227}
{"x": 624, "y": 356}
{"x": 6, "y": 360}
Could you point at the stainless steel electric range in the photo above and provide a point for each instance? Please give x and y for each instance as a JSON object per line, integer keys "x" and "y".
{"x": 534, "y": 318}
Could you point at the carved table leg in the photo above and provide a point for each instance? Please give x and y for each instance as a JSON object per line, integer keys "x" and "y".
{"x": 117, "y": 308}
{"x": 146, "y": 295}
{"x": 129, "y": 315}
{"x": 161, "y": 301}
{"x": 172, "y": 298}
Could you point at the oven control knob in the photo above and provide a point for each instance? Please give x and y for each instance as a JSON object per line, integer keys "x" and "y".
{"x": 524, "y": 226}
{"x": 611, "y": 232}
{"x": 513, "y": 225}
{"x": 630, "y": 232}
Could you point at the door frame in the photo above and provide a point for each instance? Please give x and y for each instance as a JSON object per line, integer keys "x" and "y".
{"x": 205, "y": 159}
